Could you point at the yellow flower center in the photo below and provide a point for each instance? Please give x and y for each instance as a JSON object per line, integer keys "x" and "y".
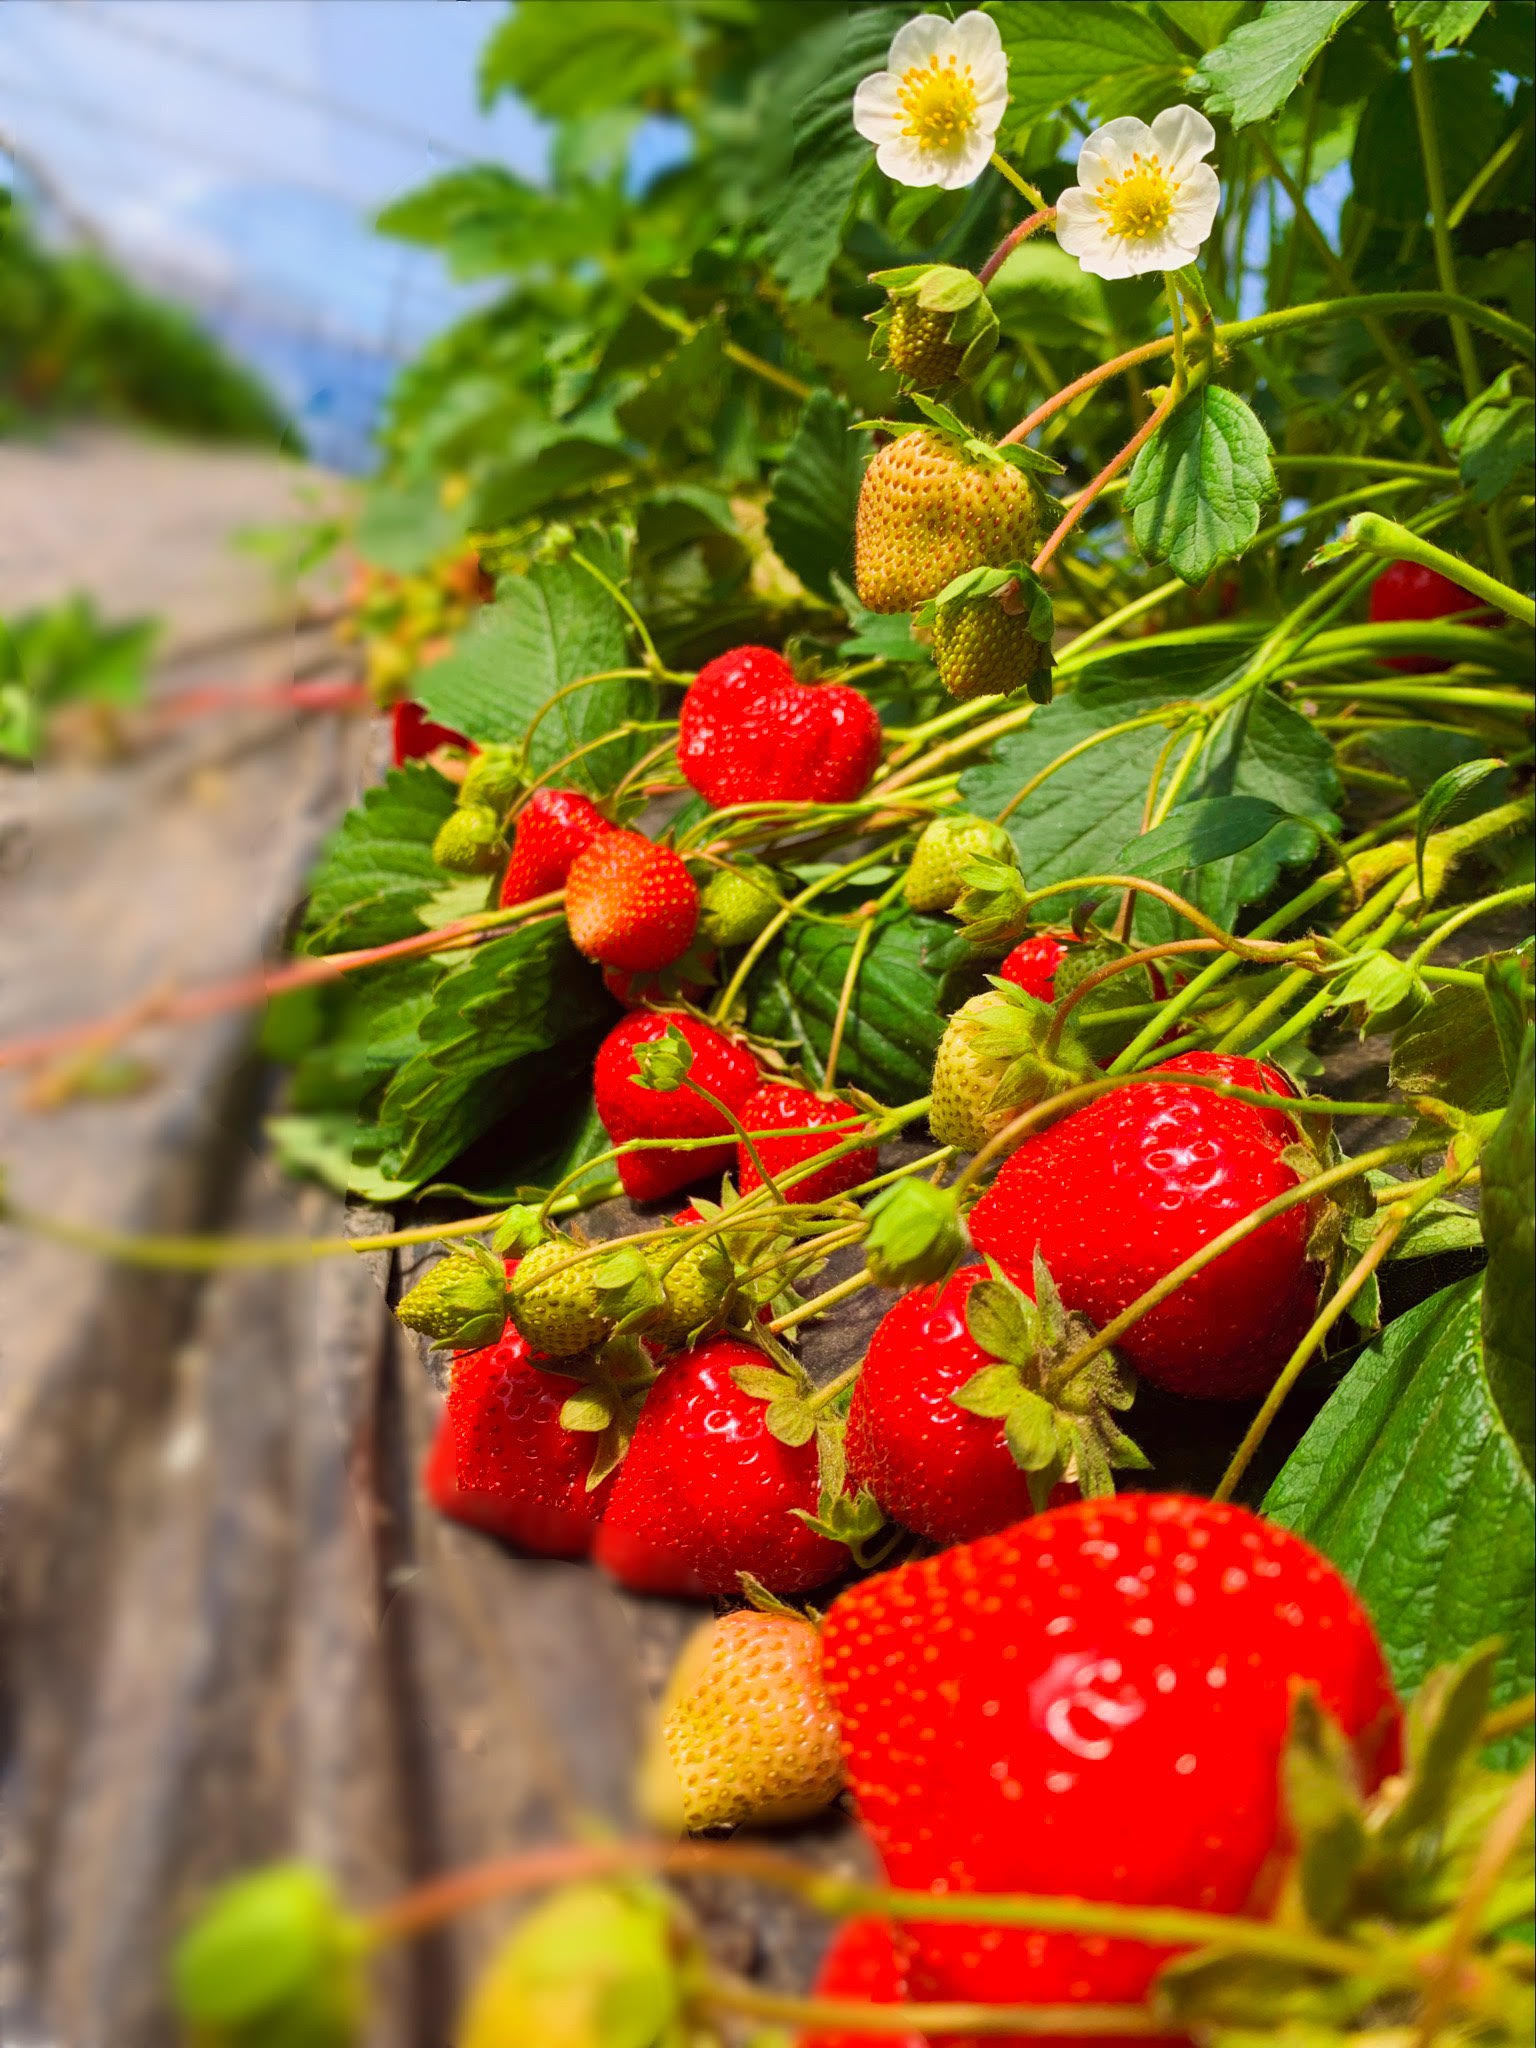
{"x": 1139, "y": 202}
{"x": 939, "y": 101}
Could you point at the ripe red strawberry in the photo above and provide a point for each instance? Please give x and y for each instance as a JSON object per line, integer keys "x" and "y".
{"x": 931, "y": 1464}
{"x": 1093, "y": 1703}
{"x": 1244, "y": 1073}
{"x": 552, "y": 828}
{"x": 749, "y": 733}
{"x": 1117, "y": 1194}
{"x": 1032, "y": 964}
{"x": 413, "y": 735}
{"x": 868, "y": 1959}
{"x": 501, "y": 1460}
{"x": 705, "y": 1493}
{"x": 777, "y": 1107}
{"x": 628, "y": 1110}
{"x": 630, "y": 903}
{"x": 1409, "y": 591}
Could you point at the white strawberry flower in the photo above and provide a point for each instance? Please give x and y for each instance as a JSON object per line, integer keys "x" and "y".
{"x": 933, "y": 113}
{"x": 1144, "y": 200}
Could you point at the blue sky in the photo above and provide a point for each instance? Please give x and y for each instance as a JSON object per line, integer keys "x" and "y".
{"x": 234, "y": 152}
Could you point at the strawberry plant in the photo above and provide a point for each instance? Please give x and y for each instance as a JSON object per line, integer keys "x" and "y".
{"x": 975, "y": 638}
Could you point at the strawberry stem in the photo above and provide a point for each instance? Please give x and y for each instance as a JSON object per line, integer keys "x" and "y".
{"x": 860, "y": 2016}
{"x": 1044, "y": 216}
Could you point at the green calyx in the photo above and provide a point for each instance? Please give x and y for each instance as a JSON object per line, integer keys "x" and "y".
{"x": 936, "y": 327}
{"x": 1055, "y": 1429}
{"x": 272, "y": 1961}
{"x": 993, "y": 906}
{"x": 736, "y": 904}
{"x": 994, "y": 1060}
{"x": 494, "y": 779}
{"x": 915, "y": 1234}
{"x": 462, "y": 1302}
{"x": 663, "y": 1063}
{"x": 935, "y": 878}
{"x": 968, "y": 445}
{"x": 469, "y": 841}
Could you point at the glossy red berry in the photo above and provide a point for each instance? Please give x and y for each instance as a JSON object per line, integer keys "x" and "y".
{"x": 721, "y": 1066}
{"x": 1258, "y": 1075}
{"x": 749, "y": 733}
{"x": 551, "y": 829}
{"x": 502, "y": 1462}
{"x": 931, "y": 1464}
{"x": 1409, "y": 591}
{"x": 775, "y": 1106}
{"x": 1032, "y": 964}
{"x": 867, "y": 1959}
{"x": 1116, "y": 1195}
{"x": 413, "y": 735}
{"x": 706, "y": 1493}
{"x": 630, "y": 903}
{"x": 1093, "y": 1703}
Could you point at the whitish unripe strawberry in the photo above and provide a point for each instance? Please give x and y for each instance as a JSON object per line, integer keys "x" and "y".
{"x": 934, "y": 880}
{"x": 932, "y": 505}
{"x": 992, "y": 1062}
{"x": 469, "y": 840}
{"x": 735, "y": 905}
{"x": 747, "y": 1735}
{"x": 560, "y": 1312}
{"x": 493, "y": 778}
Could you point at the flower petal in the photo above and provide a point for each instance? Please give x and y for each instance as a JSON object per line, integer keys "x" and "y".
{"x": 976, "y": 41}
{"x": 1107, "y": 152}
{"x": 1182, "y": 136}
{"x": 925, "y": 36}
{"x": 903, "y": 161}
{"x": 876, "y": 111}
{"x": 1194, "y": 209}
{"x": 966, "y": 165}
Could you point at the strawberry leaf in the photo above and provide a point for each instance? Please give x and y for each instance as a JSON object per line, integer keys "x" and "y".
{"x": 1411, "y": 1482}
{"x": 377, "y": 871}
{"x": 1254, "y": 72}
{"x": 1198, "y": 484}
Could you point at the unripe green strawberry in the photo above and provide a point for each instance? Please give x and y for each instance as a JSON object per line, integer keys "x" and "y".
{"x": 272, "y": 1960}
{"x": 747, "y": 1735}
{"x": 735, "y": 905}
{"x": 934, "y": 880}
{"x": 494, "y": 779}
{"x": 992, "y": 1063}
{"x": 932, "y": 505}
{"x": 462, "y": 1302}
{"x": 915, "y": 1234}
{"x": 694, "y": 1274}
{"x": 469, "y": 841}
{"x": 936, "y": 325}
{"x": 560, "y": 1313}
{"x": 980, "y": 651}
{"x": 593, "y": 1966}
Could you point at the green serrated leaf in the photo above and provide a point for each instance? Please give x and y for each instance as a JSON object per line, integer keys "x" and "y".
{"x": 894, "y": 1029}
{"x": 1059, "y": 51}
{"x": 547, "y": 630}
{"x": 1254, "y": 72}
{"x": 1451, "y": 1049}
{"x": 377, "y": 872}
{"x": 815, "y": 494}
{"x": 1509, "y": 1300}
{"x": 1198, "y": 485}
{"x": 1209, "y": 828}
{"x": 1410, "y": 1481}
{"x": 1442, "y": 23}
{"x": 1494, "y": 439}
{"x": 1509, "y": 1001}
{"x": 811, "y": 204}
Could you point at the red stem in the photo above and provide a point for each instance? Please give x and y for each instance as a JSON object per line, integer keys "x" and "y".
{"x": 1086, "y": 382}
{"x": 1011, "y": 241}
{"x": 1111, "y": 469}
